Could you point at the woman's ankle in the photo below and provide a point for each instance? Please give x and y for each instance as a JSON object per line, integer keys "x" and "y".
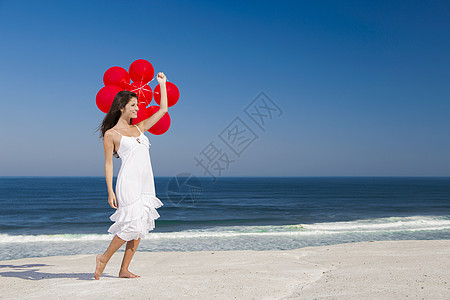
{"x": 103, "y": 258}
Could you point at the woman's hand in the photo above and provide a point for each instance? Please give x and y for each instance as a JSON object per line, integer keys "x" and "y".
{"x": 112, "y": 200}
{"x": 161, "y": 78}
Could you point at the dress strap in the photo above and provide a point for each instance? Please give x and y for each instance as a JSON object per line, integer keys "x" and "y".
{"x": 117, "y": 131}
{"x": 138, "y": 129}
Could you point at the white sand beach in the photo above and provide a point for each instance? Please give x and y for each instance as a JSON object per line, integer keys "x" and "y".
{"x": 363, "y": 270}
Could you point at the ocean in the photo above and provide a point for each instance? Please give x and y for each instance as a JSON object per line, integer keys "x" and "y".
{"x": 46, "y": 216}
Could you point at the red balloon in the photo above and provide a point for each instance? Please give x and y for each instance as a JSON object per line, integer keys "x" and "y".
{"x": 173, "y": 94}
{"x": 105, "y": 97}
{"x": 117, "y": 76}
{"x": 162, "y": 125}
{"x": 141, "y": 70}
{"x": 141, "y": 115}
{"x": 143, "y": 91}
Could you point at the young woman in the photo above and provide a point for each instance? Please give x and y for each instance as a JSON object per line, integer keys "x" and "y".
{"x": 135, "y": 200}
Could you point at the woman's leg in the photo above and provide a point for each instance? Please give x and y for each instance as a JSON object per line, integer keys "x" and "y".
{"x": 102, "y": 259}
{"x": 128, "y": 255}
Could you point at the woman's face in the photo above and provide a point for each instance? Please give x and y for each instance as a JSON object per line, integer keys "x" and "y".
{"x": 131, "y": 109}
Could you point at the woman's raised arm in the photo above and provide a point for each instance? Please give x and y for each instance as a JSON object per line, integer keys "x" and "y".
{"x": 163, "y": 108}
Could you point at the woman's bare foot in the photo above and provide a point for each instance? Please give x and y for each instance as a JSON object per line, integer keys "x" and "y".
{"x": 100, "y": 265}
{"x": 127, "y": 274}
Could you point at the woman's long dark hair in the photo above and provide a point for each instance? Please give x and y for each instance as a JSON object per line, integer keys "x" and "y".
{"x": 112, "y": 117}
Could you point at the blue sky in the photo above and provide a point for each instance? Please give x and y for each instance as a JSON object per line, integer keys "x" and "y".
{"x": 363, "y": 86}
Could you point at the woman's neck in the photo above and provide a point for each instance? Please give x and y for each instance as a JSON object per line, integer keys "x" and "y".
{"x": 123, "y": 123}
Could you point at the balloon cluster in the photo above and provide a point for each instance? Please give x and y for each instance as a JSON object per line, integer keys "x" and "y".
{"x": 141, "y": 72}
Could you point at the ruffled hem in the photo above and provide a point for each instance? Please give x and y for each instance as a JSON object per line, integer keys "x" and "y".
{"x": 135, "y": 220}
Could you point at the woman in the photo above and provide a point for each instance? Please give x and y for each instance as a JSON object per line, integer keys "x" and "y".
{"x": 136, "y": 201}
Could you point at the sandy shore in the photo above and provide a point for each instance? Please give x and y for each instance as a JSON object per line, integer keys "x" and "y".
{"x": 365, "y": 270}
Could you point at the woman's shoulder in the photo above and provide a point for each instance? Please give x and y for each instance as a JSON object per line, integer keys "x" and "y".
{"x": 109, "y": 133}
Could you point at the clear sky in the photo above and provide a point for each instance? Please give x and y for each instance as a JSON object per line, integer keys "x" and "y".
{"x": 363, "y": 87}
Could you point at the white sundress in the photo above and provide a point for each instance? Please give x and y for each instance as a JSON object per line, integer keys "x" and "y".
{"x": 135, "y": 190}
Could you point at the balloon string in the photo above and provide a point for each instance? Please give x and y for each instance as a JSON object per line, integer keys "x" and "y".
{"x": 157, "y": 76}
